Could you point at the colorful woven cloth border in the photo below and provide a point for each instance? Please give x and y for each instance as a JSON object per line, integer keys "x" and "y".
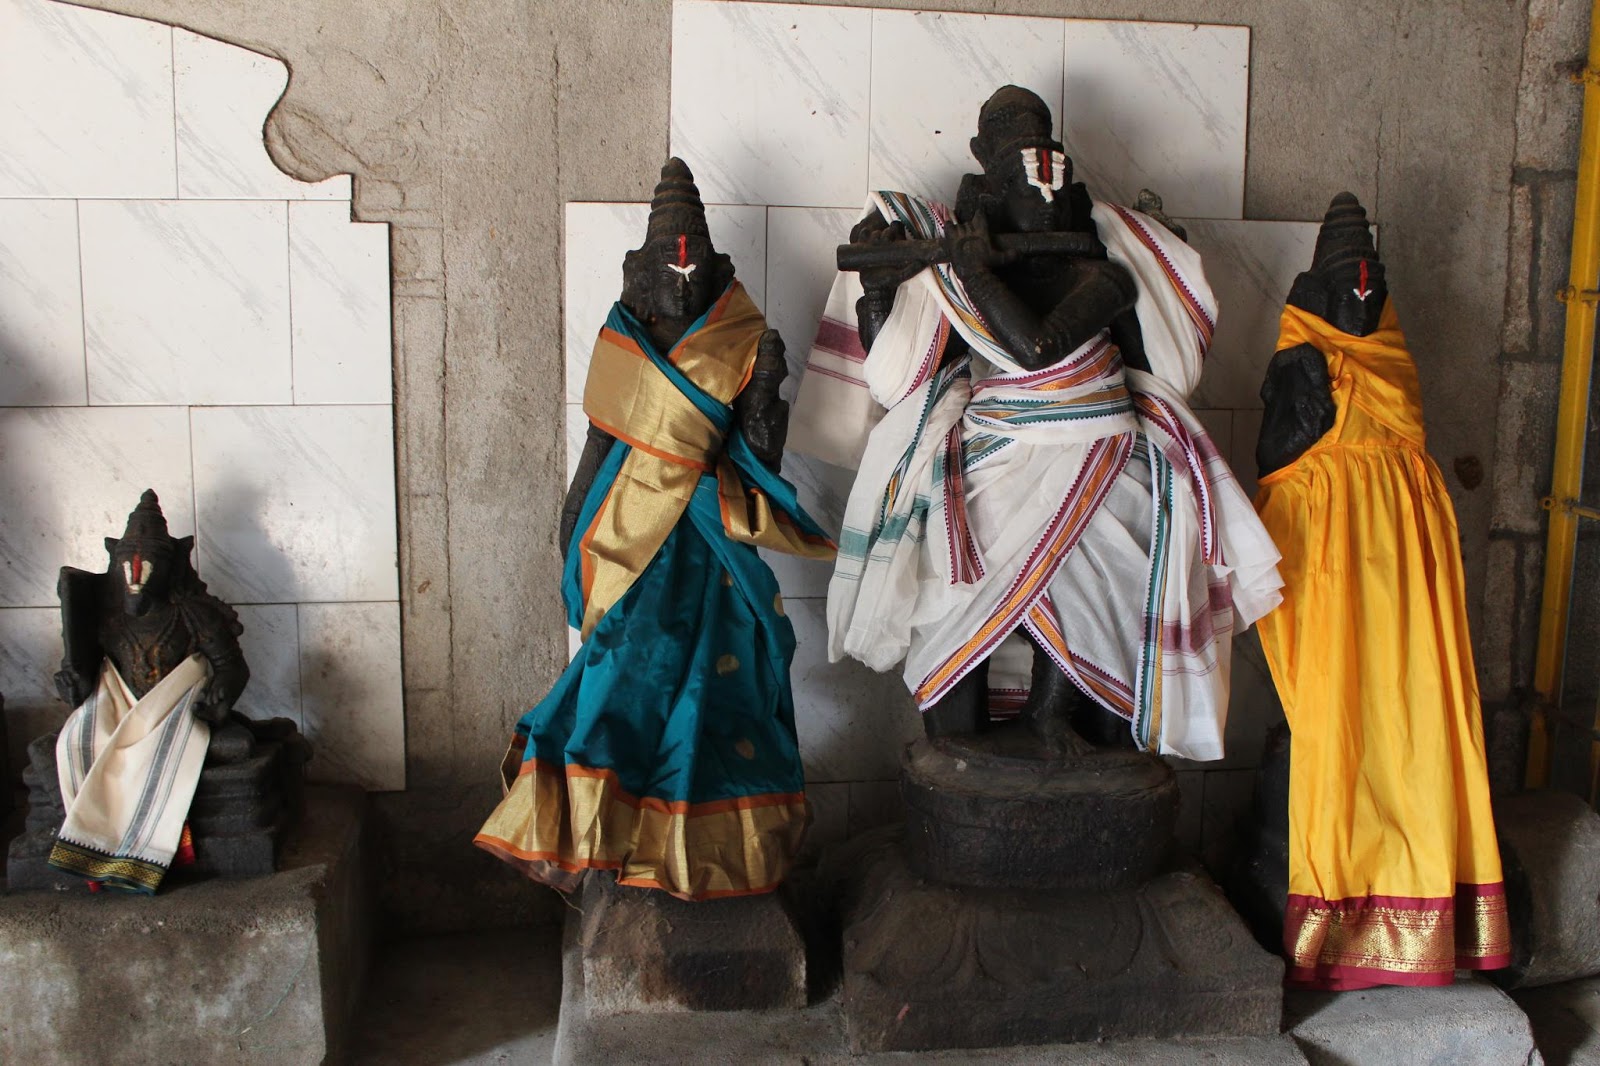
{"x": 112, "y": 871}
{"x": 1364, "y": 941}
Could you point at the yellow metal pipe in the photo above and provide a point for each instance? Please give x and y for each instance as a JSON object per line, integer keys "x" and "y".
{"x": 1577, "y": 365}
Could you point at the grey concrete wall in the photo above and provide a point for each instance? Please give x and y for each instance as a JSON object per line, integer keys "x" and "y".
{"x": 468, "y": 123}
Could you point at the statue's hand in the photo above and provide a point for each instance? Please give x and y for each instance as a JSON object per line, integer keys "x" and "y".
{"x": 1299, "y": 407}
{"x": 763, "y": 416}
{"x": 971, "y": 248}
{"x": 70, "y": 686}
{"x": 874, "y": 230}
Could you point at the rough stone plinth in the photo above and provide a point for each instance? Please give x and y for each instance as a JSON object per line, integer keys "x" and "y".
{"x": 1258, "y": 883}
{"x": 1565, "y": 1019}
{"x": 1470, "y": 1021}
{"x": 646, "y": 951}
{"x": 930, "y": 966}
{"x": 816, "y": 1035}
{"x": 259, "y": 970}
{"x": 980, "y": 817}
{"x": 1550, "y": 848}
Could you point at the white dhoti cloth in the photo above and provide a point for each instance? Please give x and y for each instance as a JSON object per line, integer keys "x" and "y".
{"x": 1081, "y": 503}
{"x": 128, "y": 769}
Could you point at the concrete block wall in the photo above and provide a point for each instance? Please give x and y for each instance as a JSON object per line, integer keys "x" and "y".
{"x": 177, "y": 313}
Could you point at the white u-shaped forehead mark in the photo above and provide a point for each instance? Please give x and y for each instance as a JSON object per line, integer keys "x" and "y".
{"x": 683, "y": 270}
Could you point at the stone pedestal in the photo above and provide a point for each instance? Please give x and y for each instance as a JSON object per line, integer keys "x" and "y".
{"x": 931, "y": 966}
{"x": 1550, "y": 849}
{"x": 1027, "y": 906}
{"x": 265, "y": 969}
{"x": 645, "y": 951}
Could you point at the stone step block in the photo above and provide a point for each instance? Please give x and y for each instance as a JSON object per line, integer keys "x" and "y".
{"x": 1470, "y": 1021}
{"x": 266, "y": 969}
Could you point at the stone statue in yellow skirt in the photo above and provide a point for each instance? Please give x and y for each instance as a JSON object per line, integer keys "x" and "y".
{"x": 1394, "y": 874}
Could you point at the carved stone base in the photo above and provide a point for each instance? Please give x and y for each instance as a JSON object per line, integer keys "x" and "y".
{"x": 930, "y": 966}
{"x": 977, "y": 815}
{"x": 646, "y": 951}
{"x": 1550, "y": 849}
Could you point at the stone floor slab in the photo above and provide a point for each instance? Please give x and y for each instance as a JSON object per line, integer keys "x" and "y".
{"x": 1470, "y": 1021}
{"x": 1566, "y": 1021}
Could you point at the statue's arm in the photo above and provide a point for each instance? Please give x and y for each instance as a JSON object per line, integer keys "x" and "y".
{"x": 214, "y": 633}
{"x": 763, "y": 416}
{"x": 595, "y": 447}
{"x": 1096, "y": 293}
{"x": 1299, "y": 409}
{"x": 879, "y": 285}
{"x": 79, "y": 592}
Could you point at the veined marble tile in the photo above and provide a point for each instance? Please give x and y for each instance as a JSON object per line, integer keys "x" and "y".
{"x": 824, "y": 489}
{"x": 41, "y": 304}
{"x": 852, "y": 722}
{"x": 223, "y": 95}
{"x": 801, "y": 266}
{"x": 339, "y": 303}
{"x": 599, "y": 235}
{"x": 69, "y": 476}
{"x": 186, "y": 302}
{"x": 1250, "y": 266}
{"x": 85, "y": 103}
{"x": 271, "y": 646}
{"x": 30, "y": 655}
{"x": 1159, "y": 106}
{"x": 296, "y": 504}
{"x": 931, "y": 72}
{"x": 769, "y": 101}
{"x": 351, "y": 694}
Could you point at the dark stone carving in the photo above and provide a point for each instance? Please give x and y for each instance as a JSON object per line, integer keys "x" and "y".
{"x": 668, "y": 283}
{"x": 929, "y": 966}
{"x": 1550, "y": 849}
{"x": 1036, "y": 270}
{"x": 1345, "y": 287}
{"x": 147, "y": 613}
{"x": 977, "y": 817}
{"x": 1026, "y": 902}
{"x": 1259, "y": 883}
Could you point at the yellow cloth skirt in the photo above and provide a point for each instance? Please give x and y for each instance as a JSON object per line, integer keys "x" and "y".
{"x": 1394, "y": 872}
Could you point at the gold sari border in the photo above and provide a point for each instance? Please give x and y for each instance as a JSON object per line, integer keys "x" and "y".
{"x": 1364, "y": 941}
{"x": 558, "y": 820}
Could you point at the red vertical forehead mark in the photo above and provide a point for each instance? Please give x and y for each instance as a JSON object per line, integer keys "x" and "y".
{"x": 1363, "y": 276}
{"x": 1045, "y": 156}
{"x": 683, "y": 249}
{"x": 138, "y": 567}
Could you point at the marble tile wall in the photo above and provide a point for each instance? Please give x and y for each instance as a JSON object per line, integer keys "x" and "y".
{"x": 176, "y": 313}
{"x": 795, "y": 112}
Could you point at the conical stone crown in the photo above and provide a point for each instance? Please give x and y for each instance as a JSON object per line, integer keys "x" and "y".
{"x": 146, "y": 522}
{"x": 1345, "y": 237}
{"x": 676, "y": 207}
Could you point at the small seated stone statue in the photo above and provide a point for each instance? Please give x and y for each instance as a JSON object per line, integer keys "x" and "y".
{"x": 153, "y": 768}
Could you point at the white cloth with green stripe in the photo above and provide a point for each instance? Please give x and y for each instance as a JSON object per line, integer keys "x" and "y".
{"x": 128, "y": 769}
{"x": 1090, "y": 508}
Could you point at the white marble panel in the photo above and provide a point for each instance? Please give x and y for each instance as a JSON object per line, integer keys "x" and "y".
{"x": 69, "y": 476}
{"x": 770, "y": 101}
{"x": 801, "y": 266}
{"x": 824, "y": 489}
{"x": 41, "y": 304}
{"x": 1250, "y": 266}
{"x": 1159, "y": 106}
{"x": 351, "y": 694}
{"x": 296, "y": 504}
{"x": 339, "y": 306}
{"x": 223, "y": 94}
{"x": 30, "y": 655}
{"x": 85, "y": 103}
{"x": 852, "y": 722}
{"x": 931, "y": 72}
{"x": 186, "y": 301}
{"x": 271, "y": 646}
{"x": 599, "y": 235}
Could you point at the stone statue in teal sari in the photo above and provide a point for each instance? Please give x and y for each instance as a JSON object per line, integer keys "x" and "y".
{"x": 667, "y": 751}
